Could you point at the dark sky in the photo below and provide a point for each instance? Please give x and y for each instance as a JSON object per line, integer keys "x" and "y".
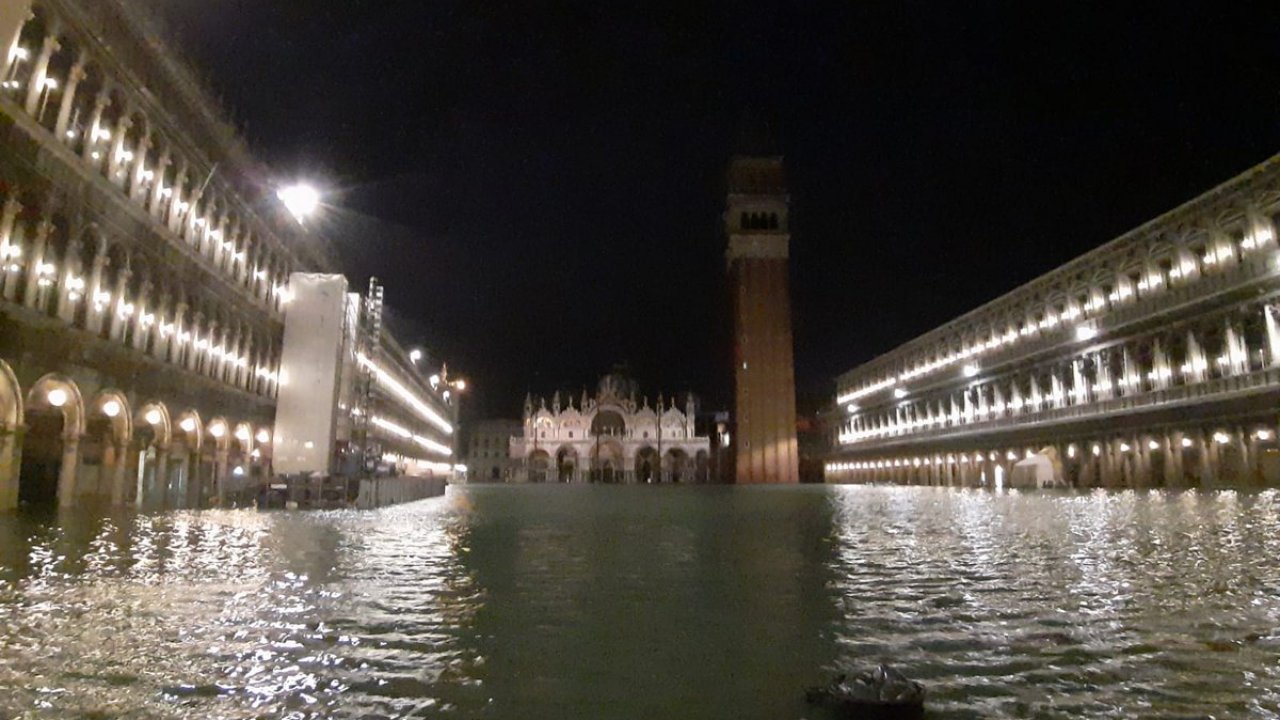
{"x": 540, "y": 183}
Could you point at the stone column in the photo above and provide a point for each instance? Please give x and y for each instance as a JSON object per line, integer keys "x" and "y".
{"x": 220, "y": 474}
{"x": 114, "y": 159}
{"x": 155, "y": 203}
{"x": 74, "y": 78}
{"x": 141, "y": 328}
{"x": 10, "y": 462}
{"x": 40, "y": 71}
{"x": 31, "y": 294}
{"x": 93, "y": 316}
{"x": 120, "y": 473}
{"x": 10, "y": 249}
{"x": 138, "y": 170}
{"x": 116, "y": 323}
{"x": 64, "y": 306}
{"x": 176, "y": 199}
{"x": 68, "y": 470}
{"x": 100, "y": 103}
{"x": 13, "y": 15}
{"x": 176, "y": 346}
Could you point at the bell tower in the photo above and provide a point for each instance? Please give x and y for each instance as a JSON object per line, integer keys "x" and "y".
{"x": 756, "y": 223}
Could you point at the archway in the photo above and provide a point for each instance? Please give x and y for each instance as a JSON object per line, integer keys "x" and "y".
{"x": 105, "y": 446}
{"x": 154, "y": 484}
{"x": 701, "y": 467}
{"x": 10, "y": 427}
{"x": 240, "y": 469}
{"x": 217, "y": 450}
{"x": 566, "y": 463}
{"x": 646, "y": 465}
{"x": 539, "y": 466}
{"x": 608, "y": 423}
{"x": 185, "y": 468}
{"x": 51, "y": 448}
{"x": 676, "y": 466}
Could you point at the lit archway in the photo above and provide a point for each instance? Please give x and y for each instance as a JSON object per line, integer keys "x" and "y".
{"x": 185, "y": 458}
{"x": 216, "y": 449}
{"x": 10, "y": 425}
{"x": 646, "y": 465}
{"x": 54, "y": 418}
{"x": 153, "y": 482}
{"x": 539, "y": 466}
{"x": 676, "y": 466}
{"x": 105, "y": 445}
{"x": 566, "y": 463}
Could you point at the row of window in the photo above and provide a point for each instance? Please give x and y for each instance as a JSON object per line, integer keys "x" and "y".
{"x": 1179, "y": 266}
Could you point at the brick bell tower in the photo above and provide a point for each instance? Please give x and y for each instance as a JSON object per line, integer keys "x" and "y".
{"x": 755, "y": 221}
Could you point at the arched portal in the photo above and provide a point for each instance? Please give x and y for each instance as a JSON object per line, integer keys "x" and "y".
{"x": 539, "y": 466}
{"x": 185, "y": 464}
{"x": 240, "y": 466}
{"x": 566, "y": 463}
{"x": 701, "y": 467}
{"x": 608, "y": 423}
{"x": 676, "y": 466}
{"x": 105, "y": 446}
{"x": 216, "y": 453}
{"x": 10, "y": 426}
{"x": 607, "y": 463}
{"x": 646, "y": 465}
{"x": 51, "y": 448}
{"x": 153, "y": 482}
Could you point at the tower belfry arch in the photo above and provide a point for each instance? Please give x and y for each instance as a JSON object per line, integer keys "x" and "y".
{"x": 756, "y": 223}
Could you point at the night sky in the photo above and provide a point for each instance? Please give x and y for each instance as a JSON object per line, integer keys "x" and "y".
{"x": 540, "y": 184}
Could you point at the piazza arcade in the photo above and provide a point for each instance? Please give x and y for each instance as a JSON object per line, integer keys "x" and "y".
{"x": 1151, "y": 361}
{"x": 142, "y": 283}
{"x": 610, "y": 437}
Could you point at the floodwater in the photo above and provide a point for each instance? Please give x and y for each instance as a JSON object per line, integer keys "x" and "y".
{"x": 611, "y": 602}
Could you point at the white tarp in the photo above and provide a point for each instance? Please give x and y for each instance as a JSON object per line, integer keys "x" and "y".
{"x": 307, "y": 406}
{"x": 1033, "y": 472}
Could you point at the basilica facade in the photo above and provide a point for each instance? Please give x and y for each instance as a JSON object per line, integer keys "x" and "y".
{"x": 610, "y": 437}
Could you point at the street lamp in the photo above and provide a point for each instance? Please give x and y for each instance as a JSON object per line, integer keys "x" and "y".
{"x": 301, "y": 200}
{"x": 415, "y": 355}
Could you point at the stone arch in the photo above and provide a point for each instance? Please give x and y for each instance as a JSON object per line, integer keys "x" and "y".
{"x": 11, "y": 415}
{"x": 647, "y": 465}
{"x": 105, "y": 445}
{"x": 54, "y": 416}
{"x": 566, "y": 463}
{"x": 539, "y": 462}
{"x": 676, "y": 466}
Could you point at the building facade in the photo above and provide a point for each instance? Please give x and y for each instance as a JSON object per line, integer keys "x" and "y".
{"x": 610, "y": 437}
{"x": 1153, "y": 360}
{"x": 143, "y": 282}
{"x": 756, "y": 223}
{"x": 488, "y": 455}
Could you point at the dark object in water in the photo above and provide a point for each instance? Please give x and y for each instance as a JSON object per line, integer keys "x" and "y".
{"x": 882, "y": 694}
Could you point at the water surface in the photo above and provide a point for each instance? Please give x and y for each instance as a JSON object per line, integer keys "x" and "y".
{"x": 649, "y": 602}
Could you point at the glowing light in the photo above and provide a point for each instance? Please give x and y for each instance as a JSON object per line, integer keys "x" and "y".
{"x": 1186, "y": 442}
{"x": 242, "y": 434}
{"x": 111, "y": 408}
{"x": 1124, "y": 447}
{"x": 238, "y": 471}
{"x": 217, "y": 430}
{"x": 1221, "y": 438}
{"x": 415, "y": 355}
{"x": 1153, "y": 445}
{"x": 969, "y": 370}
{"x": 852, "y": 408}
{"x": 412, "y": 400}
{"x": 1097, "y": 450}
{"x": 434, "y": 380}
{"x": 461, "y": 385}
{"x": 188, "y": 424}
{"x": 899, "y": 393}
{"x": 1085, "y": 333}
{"x": 300, "y": 200}
{"x": 153, "y": 417}
{"x": 427, "y": 443}
{"x": 263, "y": 436}
{"x": 57, "y": 397}
{"x": 19, "y": 53}
{"x": 1263, "y": 434}
{"x": 50, "y": 84}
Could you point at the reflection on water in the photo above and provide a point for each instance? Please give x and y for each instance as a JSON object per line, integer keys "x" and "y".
{"x": 649, "y": 602}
